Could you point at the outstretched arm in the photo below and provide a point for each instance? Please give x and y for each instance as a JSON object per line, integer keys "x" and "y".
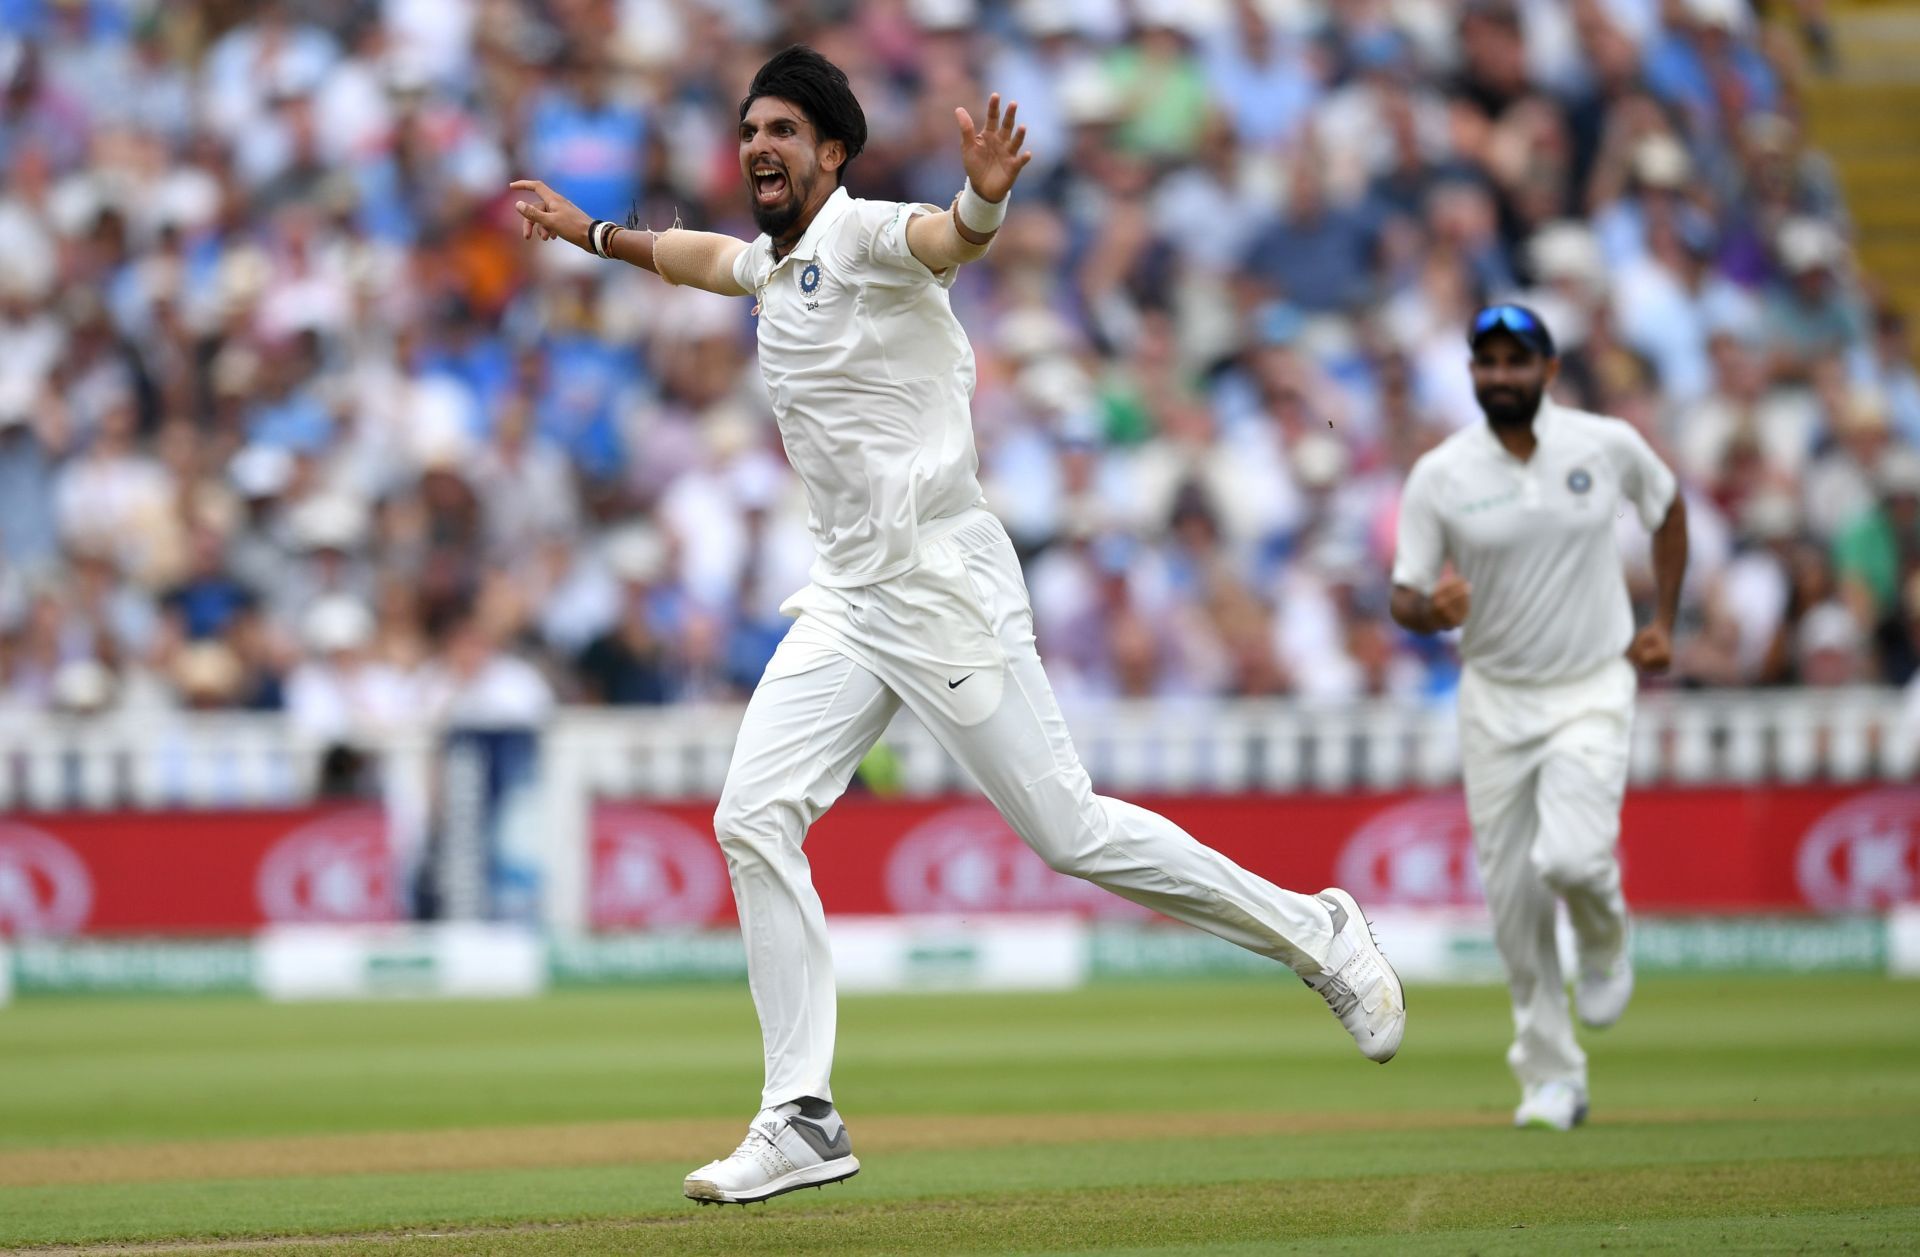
{"x": 700, "y": 259}
{"x": 993, "y": 160}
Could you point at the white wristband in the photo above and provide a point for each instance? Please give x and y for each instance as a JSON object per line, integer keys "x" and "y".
{"x": 600, "y": 235}
{"x": 980, "y": 215}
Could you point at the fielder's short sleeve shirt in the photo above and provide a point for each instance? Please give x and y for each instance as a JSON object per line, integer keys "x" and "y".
{"x": 871, "y": 379}
{"x": 1534, "y": 539}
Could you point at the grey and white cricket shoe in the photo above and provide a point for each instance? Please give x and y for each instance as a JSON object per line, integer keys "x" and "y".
{"x": 1359, "y": 985}
{"x": 1555, "y": 1105}
{"x": 787, "y": 1147}
{"x": 1601, "y": 993}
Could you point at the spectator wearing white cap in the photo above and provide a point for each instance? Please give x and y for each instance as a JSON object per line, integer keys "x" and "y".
{"x": 1634, "y": 179}
{"x": 631, "y": 663}
{"x": 1839, "y": 486}
{"x": 475, "y": 682}
{"x": 116, "y": 494}
{"x": 1811, "y": 310}
{"x": 343, "y": 694}
{"x": 327, "y": 535}
{"x": 1751, "y": 594}
{"x": 281, "y": 227}
{"x": 1830, "y": 648}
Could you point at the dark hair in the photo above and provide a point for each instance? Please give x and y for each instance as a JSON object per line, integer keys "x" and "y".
{"x": 819, "y": 87}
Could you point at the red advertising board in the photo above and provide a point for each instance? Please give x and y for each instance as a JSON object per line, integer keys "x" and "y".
{"x": 1811, "y": 848}
{"x": 193, "y": 872}
{"x": 1775, "y": 849}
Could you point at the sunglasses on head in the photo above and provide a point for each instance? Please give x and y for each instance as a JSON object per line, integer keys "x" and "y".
{"x": 1515, "y": 319}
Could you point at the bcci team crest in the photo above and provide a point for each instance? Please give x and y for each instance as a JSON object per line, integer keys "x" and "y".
{"x": 810, "y": 279}
{"x": 1578, "y": 480}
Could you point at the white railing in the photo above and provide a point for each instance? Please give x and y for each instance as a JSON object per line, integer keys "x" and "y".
{"x": 253, "y": 760}
{"x": 52, "y": 763}
{"x": 1725, "y": 737}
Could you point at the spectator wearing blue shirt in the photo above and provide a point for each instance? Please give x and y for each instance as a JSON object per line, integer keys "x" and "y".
{"x": 1693, "y": 64}
{"x": 1262, "y": 79}
{"x": 293, "y": 418}
{"x": 1318, "y": 256}
{"x": 28, "y": 538}
{"x": 594, "y": 146}
{"x": 207, "y": 603}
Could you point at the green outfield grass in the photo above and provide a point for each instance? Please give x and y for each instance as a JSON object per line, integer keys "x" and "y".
{"x": 1742, "y": 1114}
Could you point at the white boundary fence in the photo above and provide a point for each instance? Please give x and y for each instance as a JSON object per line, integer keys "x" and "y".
{"x": 1705, "y": 737}
{"x": 237, "y": 760}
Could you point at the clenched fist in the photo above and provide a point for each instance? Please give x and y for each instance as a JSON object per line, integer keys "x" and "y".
{"x": 1652, "y": 649}
{"x": 1451, "y": 600}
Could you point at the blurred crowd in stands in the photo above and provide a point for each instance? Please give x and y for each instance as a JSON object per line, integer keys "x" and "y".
{"x": 292, "y": 418}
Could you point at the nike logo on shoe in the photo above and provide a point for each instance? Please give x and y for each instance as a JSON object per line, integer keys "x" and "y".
{"x": 954, "y": 685}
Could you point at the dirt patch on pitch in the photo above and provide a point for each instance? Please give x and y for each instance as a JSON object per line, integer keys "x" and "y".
{"x": 635, "y": 1142}
{"x": 690, "y": 1141}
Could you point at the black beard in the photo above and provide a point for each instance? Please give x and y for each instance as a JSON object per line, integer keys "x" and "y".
{"x": 774, "y": 220}
{"x": 777, "y": 220}
{"x": 1514, "y": 411}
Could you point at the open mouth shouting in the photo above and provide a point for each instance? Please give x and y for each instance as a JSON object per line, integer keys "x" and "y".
{"x": 769, "y": 184}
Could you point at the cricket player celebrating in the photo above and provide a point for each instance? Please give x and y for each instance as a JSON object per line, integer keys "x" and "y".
{"x": 1524, "y": 508}
{"x": 916, "y": 598}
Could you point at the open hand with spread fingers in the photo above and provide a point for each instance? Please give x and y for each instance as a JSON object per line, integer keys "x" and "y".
{"x": 552, "y": 215}
{"x": 992, "y": 155}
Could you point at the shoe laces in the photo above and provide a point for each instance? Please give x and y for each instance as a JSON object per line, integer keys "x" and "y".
{"x": 1340, "y": 997}
{"x": 1341, "y": 990}
{"x": 752, "y": 1147}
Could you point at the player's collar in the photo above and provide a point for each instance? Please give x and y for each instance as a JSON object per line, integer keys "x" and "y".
{"x": 1545, "y": 420}
{"x": 808, "y": 246}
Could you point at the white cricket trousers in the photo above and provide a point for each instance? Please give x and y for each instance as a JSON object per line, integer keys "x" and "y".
{"x": 952, "y": 639}
{"x": 1545, "y": 768}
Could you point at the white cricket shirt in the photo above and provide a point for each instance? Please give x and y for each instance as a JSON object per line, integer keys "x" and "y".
{"x": 1534, "y": 540}
{"x": 871, "y": 378}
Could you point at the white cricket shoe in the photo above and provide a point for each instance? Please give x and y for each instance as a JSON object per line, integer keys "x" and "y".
{"x": 1602, "y": 991}
{"x": 784, "y": 1150}
{"x": 1556, "y": 1105}
{"x": 1359, "y": 985}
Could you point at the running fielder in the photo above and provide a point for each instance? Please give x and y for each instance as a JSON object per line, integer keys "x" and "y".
{"x": 915, "y": 598}
{"x": 1524, "y": 508}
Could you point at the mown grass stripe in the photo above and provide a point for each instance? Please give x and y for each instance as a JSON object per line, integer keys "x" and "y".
{"x": 1173, "y": 1217}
